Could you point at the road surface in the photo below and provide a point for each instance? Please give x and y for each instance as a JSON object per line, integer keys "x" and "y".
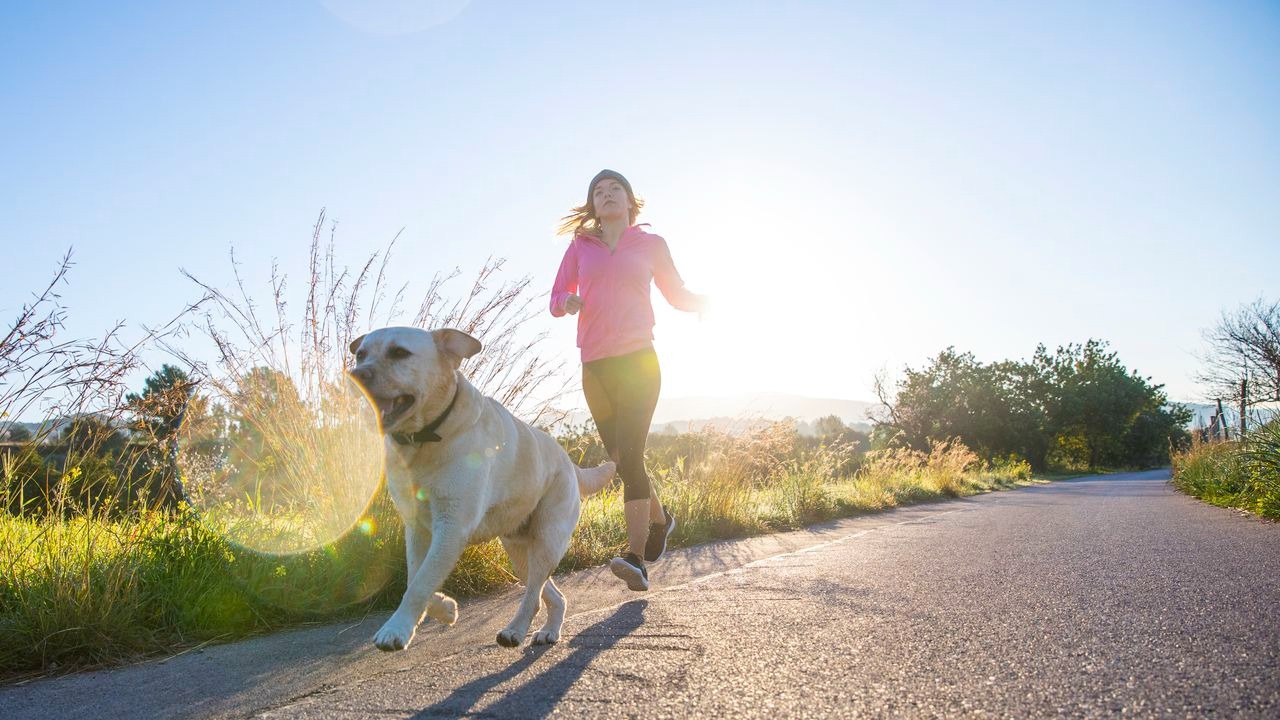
{"x": 1081, "y": 598}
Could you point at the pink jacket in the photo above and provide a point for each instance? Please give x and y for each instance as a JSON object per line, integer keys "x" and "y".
{"x": 616, "y": 316}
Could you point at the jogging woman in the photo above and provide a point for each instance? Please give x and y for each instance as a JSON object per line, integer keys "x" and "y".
{"x": 604, "y": 279}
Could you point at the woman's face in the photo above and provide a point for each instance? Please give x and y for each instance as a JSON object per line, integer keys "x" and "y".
{"x": 609, "y": 201}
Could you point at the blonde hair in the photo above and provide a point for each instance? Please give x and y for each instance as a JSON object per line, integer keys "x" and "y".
{"x": 582, "y": 219}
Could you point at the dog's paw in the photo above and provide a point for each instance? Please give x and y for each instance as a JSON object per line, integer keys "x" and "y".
{"x": 393, "y": 636}
{"x": 546, "y": 637}
{"x": 510, "y": 638}
{"x": 443, "y": 608}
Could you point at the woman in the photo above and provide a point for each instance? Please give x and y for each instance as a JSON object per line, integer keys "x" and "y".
{"x": 604, "y": 280}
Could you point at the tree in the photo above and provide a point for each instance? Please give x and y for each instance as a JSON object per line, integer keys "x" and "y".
{"x": 262, "y": 388}
{"x": 1094, "y": 403}
{"x": 935, "y": 402}
{"x": 264, "y": 409}
{"x": 167, "y": 396}
{"x": 1242, "y": 359}
{"x": 830, "y": 426}
{"x": 1078, "y": 406}
{"x": 167, "y": 402}
{"x": 17, "y": 433}
{"x": 994, "y": 409}
{"x": 89, "y": 435}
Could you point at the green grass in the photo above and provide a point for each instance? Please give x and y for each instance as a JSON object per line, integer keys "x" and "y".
{"x": 93, "y": 591}
{"x": 1243, "y": 475}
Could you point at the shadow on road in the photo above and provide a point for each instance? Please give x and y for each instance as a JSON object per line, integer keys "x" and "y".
{"x": 540, "y": 694}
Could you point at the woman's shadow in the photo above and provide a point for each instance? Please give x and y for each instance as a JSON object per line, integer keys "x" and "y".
{"x": 538, "y": 697}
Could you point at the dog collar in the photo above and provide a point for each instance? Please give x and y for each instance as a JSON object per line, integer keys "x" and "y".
{"x": 428, "y": 433}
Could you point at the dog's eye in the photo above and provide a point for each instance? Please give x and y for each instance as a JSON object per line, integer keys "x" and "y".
{"x": 398, "y": 353}
{"x": 360, "y": 355}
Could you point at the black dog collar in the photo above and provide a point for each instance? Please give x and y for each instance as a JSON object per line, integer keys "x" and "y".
{"x": 428, "y": 433}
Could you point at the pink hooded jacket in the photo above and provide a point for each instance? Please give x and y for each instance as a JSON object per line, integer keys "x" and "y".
{"x": 617, "y": 316}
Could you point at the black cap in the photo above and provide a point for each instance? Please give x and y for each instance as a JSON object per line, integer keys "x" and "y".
{"x": 610, "y": 174}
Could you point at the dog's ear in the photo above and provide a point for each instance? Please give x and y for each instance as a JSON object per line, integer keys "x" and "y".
{"x": 355, "y": 344}
{"x": 456, "y": 344}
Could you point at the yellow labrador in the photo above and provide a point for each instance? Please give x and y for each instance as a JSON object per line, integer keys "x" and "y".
{"x": 461, "y": 470}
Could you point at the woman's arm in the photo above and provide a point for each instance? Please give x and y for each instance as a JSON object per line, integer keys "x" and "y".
{"x": 669, "y": 282}
{"x": 566, "y": 284}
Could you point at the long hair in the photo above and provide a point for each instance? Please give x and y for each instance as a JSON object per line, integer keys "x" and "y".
{"x": 583, "y": 220}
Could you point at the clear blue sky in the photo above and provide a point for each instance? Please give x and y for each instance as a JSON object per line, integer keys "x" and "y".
{"x": 859, "y": 184}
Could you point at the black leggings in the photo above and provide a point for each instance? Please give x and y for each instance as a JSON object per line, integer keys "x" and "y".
{"x": 622, "y": 392}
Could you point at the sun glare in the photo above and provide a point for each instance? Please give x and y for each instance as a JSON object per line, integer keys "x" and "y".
{"x": 734, "y": 346}
{"x": 278, "y": 473}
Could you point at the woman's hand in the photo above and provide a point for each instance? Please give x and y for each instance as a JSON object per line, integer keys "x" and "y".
{"x": 572, "y": 304}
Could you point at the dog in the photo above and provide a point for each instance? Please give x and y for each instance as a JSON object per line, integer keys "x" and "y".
{"x": 462, "y": 470}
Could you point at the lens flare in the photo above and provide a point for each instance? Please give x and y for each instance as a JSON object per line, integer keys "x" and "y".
{"x": 277, "y": 472}
{"x": 293, "y": 481}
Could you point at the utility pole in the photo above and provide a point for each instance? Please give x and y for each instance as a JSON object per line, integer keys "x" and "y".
{"x": 1222, "y": 422}
{"x": 1244, "y": 394}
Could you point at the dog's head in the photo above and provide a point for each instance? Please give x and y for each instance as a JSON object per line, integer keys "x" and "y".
{"x": 406, "y": 370}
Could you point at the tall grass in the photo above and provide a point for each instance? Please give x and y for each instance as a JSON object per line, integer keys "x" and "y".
{"x": 283, "y": 515}
{"x": 1240, "y": 474}
{"x": 772, "y": 480}
{"x": 98, "y": 590}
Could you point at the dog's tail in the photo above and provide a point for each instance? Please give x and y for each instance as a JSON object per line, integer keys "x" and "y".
{"x": 593, "y": 480}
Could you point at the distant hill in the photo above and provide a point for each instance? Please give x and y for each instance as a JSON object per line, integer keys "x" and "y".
{"x": 772, "y": 406}
{"x": 1201, "y": 413}
{"x": 53, "y": 426}
{"x": 738, "y": 413}
{"x": 30, "y": 427}
{"x": 741, "y": 425}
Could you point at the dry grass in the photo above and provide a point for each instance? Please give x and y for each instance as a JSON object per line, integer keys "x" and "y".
{"x": 773, "y": 480}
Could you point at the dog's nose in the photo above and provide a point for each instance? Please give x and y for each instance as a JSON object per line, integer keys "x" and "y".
{"x": 362, "y": 375}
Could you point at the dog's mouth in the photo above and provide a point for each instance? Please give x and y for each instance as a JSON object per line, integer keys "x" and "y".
{"x": 390, "y": 410}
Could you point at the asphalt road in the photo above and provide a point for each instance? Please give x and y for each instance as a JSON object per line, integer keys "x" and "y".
{"x": 1089, "y": 597}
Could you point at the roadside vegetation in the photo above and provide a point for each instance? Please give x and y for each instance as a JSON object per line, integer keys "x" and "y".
{"x": 1243, "y": 474}
{"x": 1234, "y": 460}
{"x": 240, "y": 493}
{"x": 100, "y": 587}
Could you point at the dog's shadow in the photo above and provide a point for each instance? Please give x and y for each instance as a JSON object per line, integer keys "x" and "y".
{"x": 539, "y": 696}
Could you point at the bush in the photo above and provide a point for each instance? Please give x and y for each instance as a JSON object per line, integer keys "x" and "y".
{"x": 1234, "y": 474}
{"x": 1010, "y": 467}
